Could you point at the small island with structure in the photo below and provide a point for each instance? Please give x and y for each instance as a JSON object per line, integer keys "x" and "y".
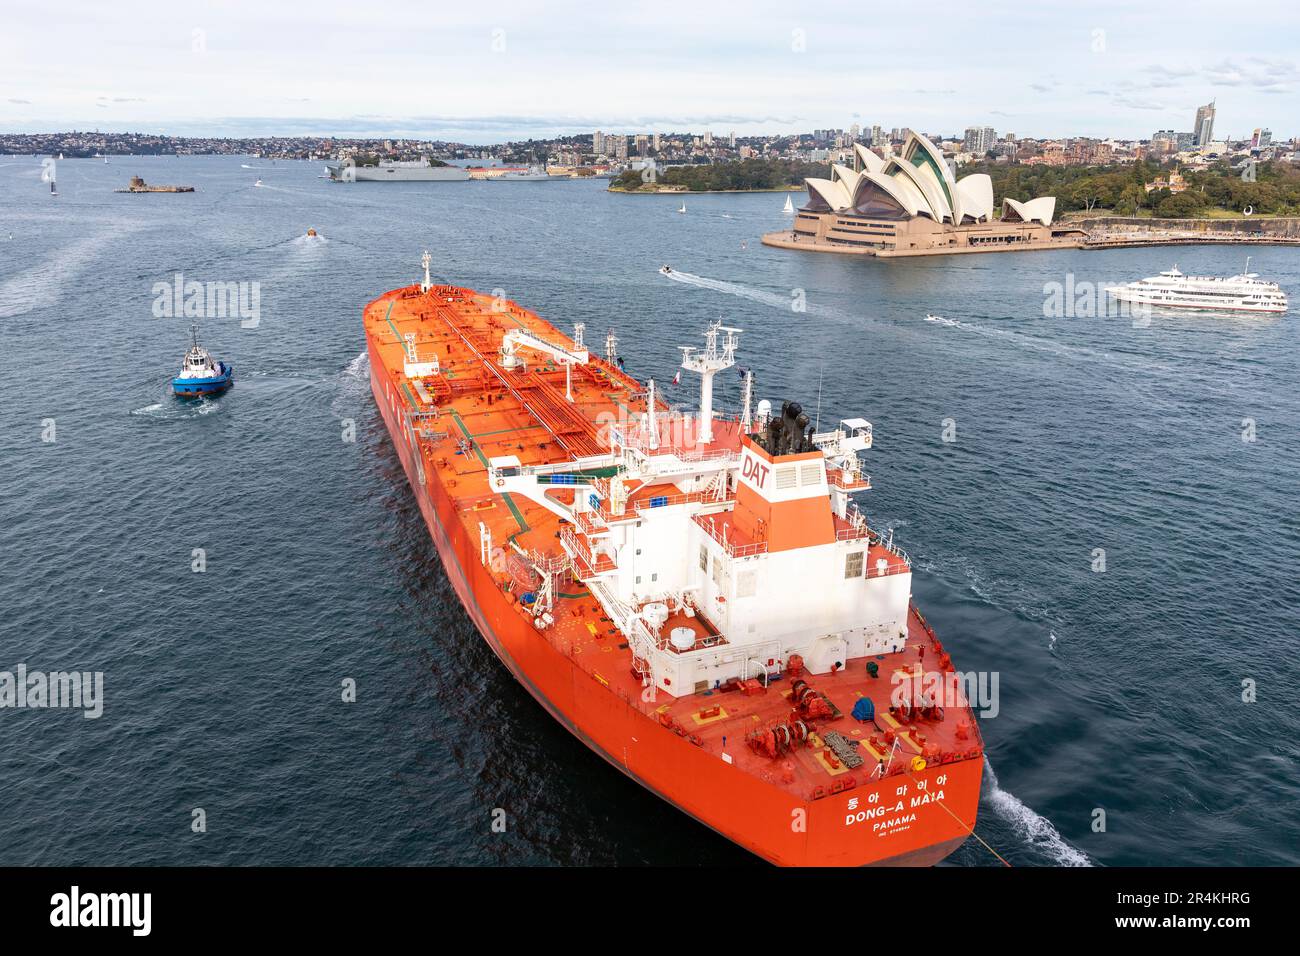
{"x": 138, "y": 185}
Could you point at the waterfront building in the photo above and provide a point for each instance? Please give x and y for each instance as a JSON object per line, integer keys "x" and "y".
{"x": 913, "y": 204}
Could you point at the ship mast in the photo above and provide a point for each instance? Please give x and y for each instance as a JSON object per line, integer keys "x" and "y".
{"x": 425, "y": 260}
{"x": 709, "y": 363}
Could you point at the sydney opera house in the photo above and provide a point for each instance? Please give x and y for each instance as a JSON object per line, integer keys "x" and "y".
{"x": 911, "y": 204}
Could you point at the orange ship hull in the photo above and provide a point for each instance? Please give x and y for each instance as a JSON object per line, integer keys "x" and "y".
{"x": 914, "y": 819}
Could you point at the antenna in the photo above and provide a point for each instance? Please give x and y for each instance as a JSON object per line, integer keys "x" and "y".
{"x": 746, "y": 420}
{"x": 650, "y": 416}
{"x": 425, "y": 260}
{"x": 820, "y": 375}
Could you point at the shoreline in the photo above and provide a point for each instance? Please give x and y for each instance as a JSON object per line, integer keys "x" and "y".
{"x": 700, "y": 192}
{"x": 782, "y": 239}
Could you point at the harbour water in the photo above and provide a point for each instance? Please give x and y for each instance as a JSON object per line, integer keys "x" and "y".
{"x": 1170, "y": 445}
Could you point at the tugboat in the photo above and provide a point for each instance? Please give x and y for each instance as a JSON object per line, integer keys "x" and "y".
{"x": 199, "y": 374}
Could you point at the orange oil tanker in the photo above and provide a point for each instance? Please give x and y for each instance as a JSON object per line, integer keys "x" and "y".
{"x": 696, "y": 598}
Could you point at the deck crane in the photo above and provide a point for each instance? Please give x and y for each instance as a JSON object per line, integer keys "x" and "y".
{"x": 568, "y": 357}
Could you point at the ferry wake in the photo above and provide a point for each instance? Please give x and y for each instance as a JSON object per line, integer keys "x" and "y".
{"x": 696, "y": 597}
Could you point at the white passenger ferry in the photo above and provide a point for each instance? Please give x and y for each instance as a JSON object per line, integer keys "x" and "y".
{"x": 1172, "y": 289}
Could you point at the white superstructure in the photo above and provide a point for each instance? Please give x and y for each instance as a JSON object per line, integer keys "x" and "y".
{"x": 1172, "y": 289}
{"x": 720, "y": 547}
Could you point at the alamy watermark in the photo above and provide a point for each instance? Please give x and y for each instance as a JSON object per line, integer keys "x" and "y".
{"x": 952, "y": 689}
{"x": 68, "y": 690}
{"x": 1074, "y": 299}
{"x": 192, "y": 299}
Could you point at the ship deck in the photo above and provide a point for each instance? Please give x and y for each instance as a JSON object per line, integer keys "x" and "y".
{"x": 475, "y": 410}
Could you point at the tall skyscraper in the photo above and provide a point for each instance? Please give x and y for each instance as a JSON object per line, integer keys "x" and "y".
{"x": 731, "y": 140}
{"x": 598, "y": 142}
{"x": 979, "y": 139}
{"x": 1203, "y": 131}
{"x": 656, "y": 142}
{"x": 708, "y": 138}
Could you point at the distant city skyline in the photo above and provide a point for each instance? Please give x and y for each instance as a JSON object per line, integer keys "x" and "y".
{"x": 518, "y": 70}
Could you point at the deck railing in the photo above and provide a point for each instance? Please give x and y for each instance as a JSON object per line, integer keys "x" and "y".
{"x": 719, "y": 535}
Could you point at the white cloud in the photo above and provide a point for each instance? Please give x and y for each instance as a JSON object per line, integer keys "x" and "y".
{"x": 671, "y": 64}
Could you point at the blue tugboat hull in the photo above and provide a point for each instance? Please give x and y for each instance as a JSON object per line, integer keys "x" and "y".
{"x": 193, "y": 387}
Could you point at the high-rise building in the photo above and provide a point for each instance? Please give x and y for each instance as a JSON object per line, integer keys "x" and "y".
{"x": 656, "y": 142}
{"x": 598, "y": 142}
{"x": 1164, "y": 141}
{"x": 979, "y": 139}
{"x": 708, "y": 138}
{"x": 1203, "y": 131}
{"x": 642, "y": 141}
{"x": 1261, "y": 138}
{"x": 731, "y": 140}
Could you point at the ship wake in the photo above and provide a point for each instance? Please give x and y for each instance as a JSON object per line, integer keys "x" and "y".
{"x": 1039, "y": 345}
{"x": 1036, "y": 829}
{"x": 731, "y": 288}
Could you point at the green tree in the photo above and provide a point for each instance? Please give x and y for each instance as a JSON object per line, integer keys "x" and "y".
{"x": 1180, "y": 206}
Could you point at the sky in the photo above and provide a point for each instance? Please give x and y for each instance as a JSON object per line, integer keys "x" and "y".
{"x": 485, "y": 73}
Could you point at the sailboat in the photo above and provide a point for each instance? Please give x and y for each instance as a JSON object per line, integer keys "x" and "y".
{"x": 683, "y": 209}
{"x": 789, "y": 207}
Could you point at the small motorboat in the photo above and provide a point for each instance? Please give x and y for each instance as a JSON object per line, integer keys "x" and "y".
{"x": 199, "y": 374}
{"x": 665, "y": 270}
{"x": 311, "y": 233}
{"x": 258, "y": 183}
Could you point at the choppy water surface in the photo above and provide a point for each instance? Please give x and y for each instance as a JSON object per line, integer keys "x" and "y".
{"x": 1119, "y": 691}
